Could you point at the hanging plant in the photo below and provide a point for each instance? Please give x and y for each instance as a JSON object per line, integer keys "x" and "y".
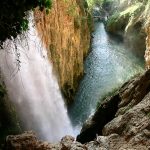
{"x": 13, "y": 16}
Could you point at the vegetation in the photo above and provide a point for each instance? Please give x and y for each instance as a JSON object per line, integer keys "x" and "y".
{"x": 128, "y": 14}
{"x": 123, "y": 20}
{"x": 8, "y": 120}
{"x": 98, "y": 3}
{"x": 146, "y": 14}
{"x": 14, "y": 16}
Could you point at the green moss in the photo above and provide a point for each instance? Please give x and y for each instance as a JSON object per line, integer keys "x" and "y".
{"x": 72, "y": 10}
{"x": 131, "y": 10}
{"x": 77, "y": 22}
{"x": 148, "y": 114}
{"x": 99, "y": 3}
{"x": 2, "y": 91}
{"x": 90, "y": 22}
{"x": 121, "y": 21}
{"x": 116, "y": 23}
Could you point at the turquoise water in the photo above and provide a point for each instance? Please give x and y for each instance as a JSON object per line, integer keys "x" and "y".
{"x": 108, "y": 66}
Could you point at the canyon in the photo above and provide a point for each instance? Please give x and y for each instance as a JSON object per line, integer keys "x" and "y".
{"x": 78, "y": 85}
{"x": 66, "y": 33}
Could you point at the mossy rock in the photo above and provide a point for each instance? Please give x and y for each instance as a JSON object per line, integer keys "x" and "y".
{"x": 116, "y": 23}
{"x": 14, "y": 16}
{"x": 120, "y": 21}
{"x": 9, "y": 123}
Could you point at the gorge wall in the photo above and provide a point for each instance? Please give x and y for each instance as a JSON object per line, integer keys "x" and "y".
{"x": 128, "y": 20}
{"x": 147, "y": 52}
{"x": 133, "y": 22}
{"x": 66, "y": 33}
{"x": 147, "y": 30}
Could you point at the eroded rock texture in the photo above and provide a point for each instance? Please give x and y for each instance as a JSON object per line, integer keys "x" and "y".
{"x": 130, "y": 128}
{"x": 66, "y": 33}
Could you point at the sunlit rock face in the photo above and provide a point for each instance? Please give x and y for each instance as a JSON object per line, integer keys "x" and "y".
{"x": 128, "y": 22}
{"x": 147, "y": 52}
{"x": 65, "y": 32}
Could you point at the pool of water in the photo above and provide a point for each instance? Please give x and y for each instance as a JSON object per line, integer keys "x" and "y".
{"x": 108, "y": 66}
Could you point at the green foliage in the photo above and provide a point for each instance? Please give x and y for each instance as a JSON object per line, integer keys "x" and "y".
{"x": 148, "y": 114}
{"x": 2, "y": 91}
{"x": 77, "y": 22}
{"x": 122, "y": 20}
{"x": 116, "y": 23}
{"x": 72, "y": 10}
{"x": 8, "y": 120}
{"x": 90, "y": 22}
{"x": 13, "y": 16}
{"x": 98, "y": 3}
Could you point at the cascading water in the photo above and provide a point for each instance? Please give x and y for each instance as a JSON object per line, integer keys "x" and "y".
{"x": 33, "y": 88}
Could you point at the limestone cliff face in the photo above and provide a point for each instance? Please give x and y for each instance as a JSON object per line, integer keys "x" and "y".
{"x": 147, "y": 52}
{"x": 146, "y": 16}
{"x": 128, "y": 22}
{"x": 133, "y": 21}
{"x": 66, "y": 34}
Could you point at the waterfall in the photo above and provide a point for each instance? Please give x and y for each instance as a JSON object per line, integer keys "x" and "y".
{"x": 32, "y": 86}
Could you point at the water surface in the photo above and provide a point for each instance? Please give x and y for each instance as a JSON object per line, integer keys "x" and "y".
{"x": 108, "y": 66}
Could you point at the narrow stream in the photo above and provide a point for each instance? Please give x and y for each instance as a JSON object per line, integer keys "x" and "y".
{"x": 108, "y": 66}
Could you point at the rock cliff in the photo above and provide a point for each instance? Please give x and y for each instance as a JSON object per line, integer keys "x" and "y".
{"x": 147, "y": 29}
{"x": 132, "y": 20}
{"x": 128, "y": 21}
{"x": 65, "y": 32}
{"x": 122, "y": 120}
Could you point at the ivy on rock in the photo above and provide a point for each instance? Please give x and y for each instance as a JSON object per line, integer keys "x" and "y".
{"x": 13, "y": 16}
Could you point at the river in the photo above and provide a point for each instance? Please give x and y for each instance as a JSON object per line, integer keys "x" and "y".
{"x": 108, "y": 65}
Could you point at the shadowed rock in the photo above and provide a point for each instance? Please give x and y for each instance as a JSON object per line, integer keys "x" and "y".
{"x": 112, "y": 116}
{"x": 104, "y": 114}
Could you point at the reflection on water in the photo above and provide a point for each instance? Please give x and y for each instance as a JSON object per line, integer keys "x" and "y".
{"x": 108, "y": 65}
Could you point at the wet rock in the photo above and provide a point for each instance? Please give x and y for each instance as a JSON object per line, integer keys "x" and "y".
{"x": 129, "y": 126}
{"x": 104, "y": 114}
{"x": 28, "y": 141}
